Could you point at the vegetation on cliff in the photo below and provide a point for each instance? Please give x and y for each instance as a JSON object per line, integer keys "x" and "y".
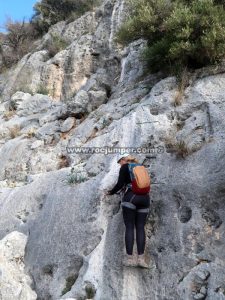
{"x": 20, "y": 36}
{"x": 179, "y": 33}
{"x": 49, "y": 12}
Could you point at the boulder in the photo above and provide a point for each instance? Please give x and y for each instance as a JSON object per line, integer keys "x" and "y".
{"x": 68, "y": 124}
{"x": 14, "y": 282}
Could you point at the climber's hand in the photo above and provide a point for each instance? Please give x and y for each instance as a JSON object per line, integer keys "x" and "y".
{"x": 107, "y": 193}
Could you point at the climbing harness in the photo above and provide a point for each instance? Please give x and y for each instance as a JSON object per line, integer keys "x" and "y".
{"x": 130, "y": 204}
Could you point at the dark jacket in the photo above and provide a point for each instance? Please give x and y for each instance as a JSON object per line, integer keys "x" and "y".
{"x": 123, "y": 180}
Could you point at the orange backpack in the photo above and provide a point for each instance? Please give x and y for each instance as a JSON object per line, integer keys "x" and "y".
{"x": 140, "y": 179}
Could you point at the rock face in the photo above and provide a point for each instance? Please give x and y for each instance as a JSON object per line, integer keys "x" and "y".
{"x": 51, "y": 192}
{"x": 14, "y": 283}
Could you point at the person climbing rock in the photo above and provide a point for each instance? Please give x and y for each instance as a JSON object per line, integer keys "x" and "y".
{"x": 135, "y": 209}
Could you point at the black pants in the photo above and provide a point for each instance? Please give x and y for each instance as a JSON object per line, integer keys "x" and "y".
{"x": 133, "y": 218}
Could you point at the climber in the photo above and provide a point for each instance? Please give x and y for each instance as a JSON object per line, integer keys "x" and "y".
{"x": 134, "y": 214}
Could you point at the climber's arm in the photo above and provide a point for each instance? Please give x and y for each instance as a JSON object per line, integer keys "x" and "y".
{"x": 120, "y": 183}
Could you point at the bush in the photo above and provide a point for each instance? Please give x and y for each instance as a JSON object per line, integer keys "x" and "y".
{"x": 179, "y": 33}
{"x": 31, "y": 132}
{"x": 90, "y": 290}
{"x": 8, "y": 114}
{"x": 69, "y": 283}
{"x": 42, "y": 89}
{"x": 49, "y": 12}
{"x": 14, "y": 131}
{"x": 76, "y": 177}
{"x": 16, "y": 42}
{"x": 55, "y": 45}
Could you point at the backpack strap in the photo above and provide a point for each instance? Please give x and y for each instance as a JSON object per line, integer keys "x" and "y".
{"x": 131, "y": 166}
{"x": 130, "y": 171}
{"x": 129, "y": 185}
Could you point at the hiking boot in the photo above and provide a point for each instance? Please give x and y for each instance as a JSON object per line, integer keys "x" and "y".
{"x": 130, "y": 261}
{"x": 141, "y": 262}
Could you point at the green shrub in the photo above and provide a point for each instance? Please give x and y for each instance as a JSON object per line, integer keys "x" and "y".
{"x": 69, "y": 283}
{"x": 49, "y": 12}
{"x": 24, "y": 88}
{"x": 12, "y": 105}
{"x": 90, "y": 290}
{"x": 42, "y": 89}
{"x": 55, "y": 45}
{"x": 76, "y": 177}
{"x": 179, "y": 33}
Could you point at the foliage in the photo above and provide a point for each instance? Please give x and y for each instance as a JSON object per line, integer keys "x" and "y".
{"x": 19, "y": 37}
{"x": 31, "y": 132}
{"x": 76, "y": 176}
{"x": 8, "y": 114}
{"x": 42, "y": 89}
{"x": 14, "y": 131}
{"x": 179, "y": 33}
{"x": 55, "y": 44}
{"x": 90, "y": 290}
{"x": 49, "y": 12}
{"x": 16, "y": 42}
{"x": 181, "y": 149}
{"x": 69, "y": 283}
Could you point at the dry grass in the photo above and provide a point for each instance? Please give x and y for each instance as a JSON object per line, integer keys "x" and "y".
{"x": 183, "y": 82}
{"x": 11, "y": 184}
{"x": 182, "y": 149}
{"x": 180, "y": 124}
{"x": 64, "y": 161}
{"x": 8, "y": 114}
{"x": 64, "y": 135}
{"x": 14, "y": 131}
{"x": 170, "y": 141}
{"x": 42, "y": 89}
{"x": 55, "y": 45}
{"x": 179, "y": 97}
{"x": 31, "y": 132}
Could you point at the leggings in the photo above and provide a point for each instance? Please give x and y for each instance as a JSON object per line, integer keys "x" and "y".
{"x": 133, "y": 218}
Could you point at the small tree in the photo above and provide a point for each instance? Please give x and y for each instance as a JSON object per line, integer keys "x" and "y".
{"x": 49, "y": 12}
{"x": 16, "y": 34}
{"x": 16, "y": 42}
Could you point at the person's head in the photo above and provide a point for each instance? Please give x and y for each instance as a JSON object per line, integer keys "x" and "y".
{"x": 126, "y": 158}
